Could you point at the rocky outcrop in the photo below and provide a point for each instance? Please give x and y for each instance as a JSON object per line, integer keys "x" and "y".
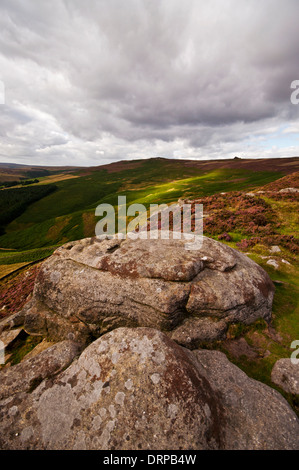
{"x": 194, "y": 331}
{"x": 31, "y": 372}
{"x": 285, "y": 374}
{"x": 289, "y": 190}
{"x": 255, "y": 415}
{"x": 137, "y": 389}
{"x": 92, "y": 286}
{"x": 8, "y": 337}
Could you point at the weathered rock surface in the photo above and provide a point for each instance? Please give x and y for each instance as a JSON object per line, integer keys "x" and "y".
{"x": 90, "y": 286}
{"x": 285, "y": 374}
{"x": 137, "y": 389}
{"x": 289, "y": 190}
{"x": 199, "y": 330}
{"x": 256, "y": 416}
{"x": 44, "y": 344}
{"x": 13, "y": 321}
{"x": 7, "y": 337}
{"x": 31, "y": 372}
{"x": 130, "y": 389}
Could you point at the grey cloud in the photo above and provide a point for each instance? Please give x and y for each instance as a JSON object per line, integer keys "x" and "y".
{"x": 114, "y": 77}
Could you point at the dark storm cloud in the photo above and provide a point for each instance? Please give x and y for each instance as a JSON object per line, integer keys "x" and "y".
{"x": 102, "y": 80}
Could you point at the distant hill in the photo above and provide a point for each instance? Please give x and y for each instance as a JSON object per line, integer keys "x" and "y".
{"x": 16, "y": 171}
{"x": 284, "y": 165}
{"x": 20, "y": 165}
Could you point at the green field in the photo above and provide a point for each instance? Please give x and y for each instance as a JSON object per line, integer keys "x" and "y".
{"x": 249, "y": 224}
{"x": 67, "y": 213}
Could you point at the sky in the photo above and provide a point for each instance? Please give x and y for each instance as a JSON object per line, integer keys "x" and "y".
{"x": 89, "y": 83}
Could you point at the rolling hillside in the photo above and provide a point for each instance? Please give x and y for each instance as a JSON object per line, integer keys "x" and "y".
{"x": 68, "y": 213}
{"x": 243, "y": 207}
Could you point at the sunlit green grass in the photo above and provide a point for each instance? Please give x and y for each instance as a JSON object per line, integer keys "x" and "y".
{"x": 153, "y": 182}
{"x": 286, "y": 212}
{"x": 14, "y": 257}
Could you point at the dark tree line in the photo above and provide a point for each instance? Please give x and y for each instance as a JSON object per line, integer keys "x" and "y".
{"x": 9, "y": 184}
{"x": 13, "y": 202}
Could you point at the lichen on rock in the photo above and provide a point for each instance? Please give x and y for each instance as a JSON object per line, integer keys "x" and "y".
{"x": 91, "y": 286}
{"x": 134, "y": 388}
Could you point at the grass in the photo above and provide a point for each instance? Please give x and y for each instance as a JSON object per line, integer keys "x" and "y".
{"x": 6, "y": 269}
{"x": 287, "y": 214}
{"x": 62, "y": 215}
{"x": 68, "y": 214}
{"x": 281, "y": 219}
{"x": 27, "y": 256}
{"x": 285, "y": 322}
{"x": 286, "y": 309}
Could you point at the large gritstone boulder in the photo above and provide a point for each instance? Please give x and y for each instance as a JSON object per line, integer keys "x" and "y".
{"x": 137, "y": 389}
{"x": 92, "y": 286}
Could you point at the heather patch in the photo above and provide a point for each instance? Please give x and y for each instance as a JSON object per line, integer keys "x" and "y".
{"x": 14, "y": 292}
{"x": 251, "y": 220}
{"x": 288, "y": 181}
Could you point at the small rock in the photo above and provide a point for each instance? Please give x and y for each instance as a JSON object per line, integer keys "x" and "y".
{"x": 195, "y": 331}
{"x": 275, "y": 249}
{"x": 273, "y": 263}
{"x": 289, "y": 190}
{"x": 285, "y": 262}
{"x": 257, "y": 416}
{"x": 239, "y": 347}
{"x": 23, "y": 376}
{"x": 12, "y": 321}
{"x": 283, "y": 283}
{"x": 285, "y": 374}
{"x": 9, "y": 336}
